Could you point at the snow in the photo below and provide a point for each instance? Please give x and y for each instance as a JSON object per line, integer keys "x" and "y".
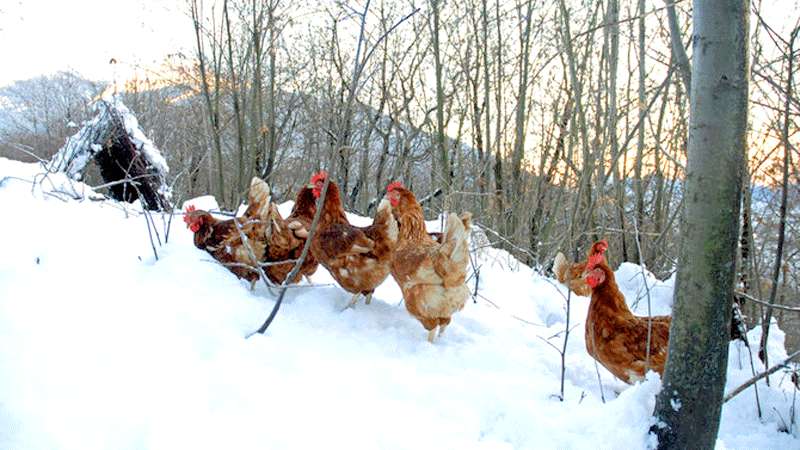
{"x": 105, "y": 347}
{"x": 205, "y": 202}
{"x": 137, "y": 136}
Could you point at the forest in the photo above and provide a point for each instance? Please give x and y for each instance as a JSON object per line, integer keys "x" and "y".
{"x": 555, "y": 123}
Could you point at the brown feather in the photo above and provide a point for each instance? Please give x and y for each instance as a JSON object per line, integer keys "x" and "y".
{"x": 339, "y": 246}
{"x": 571, "y": 274}
{"x": 430, "y": 272}
{"x": 617, "y": 339}
{"x": 287, "y": 240}
{"x": 222, "y": 240}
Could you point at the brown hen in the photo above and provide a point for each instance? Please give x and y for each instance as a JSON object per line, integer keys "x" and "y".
{"x": 358, "y": 258}
{"x": 289, "y": 237}
{"x": 614, "y": 336}
{"x": 430, "y": 272}
{"x": 223, "y": 241}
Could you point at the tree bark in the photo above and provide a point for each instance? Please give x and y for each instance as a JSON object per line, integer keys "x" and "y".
{"x": 689, "y": 404}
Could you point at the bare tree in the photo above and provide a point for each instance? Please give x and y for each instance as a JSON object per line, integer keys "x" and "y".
{"x": 689, "y": 404}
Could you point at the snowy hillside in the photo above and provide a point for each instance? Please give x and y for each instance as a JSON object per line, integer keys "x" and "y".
{"x": 104, "y": 347}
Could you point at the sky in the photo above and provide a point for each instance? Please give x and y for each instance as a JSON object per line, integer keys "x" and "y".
{"x": 40, "y": 37}
{"x": 44, "y": 36}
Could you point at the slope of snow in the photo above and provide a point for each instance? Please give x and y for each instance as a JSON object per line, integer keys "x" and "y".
{"x": 103, "y": 346}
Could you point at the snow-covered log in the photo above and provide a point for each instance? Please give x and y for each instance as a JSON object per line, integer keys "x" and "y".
{"x": 122, "y": 151}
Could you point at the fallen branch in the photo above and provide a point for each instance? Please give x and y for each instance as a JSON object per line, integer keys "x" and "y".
{"x": 764, "y": 374}
{"x": 251, "y": 253}
{"x": 261, "y": 264}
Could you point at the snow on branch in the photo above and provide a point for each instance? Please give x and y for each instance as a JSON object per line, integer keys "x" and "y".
{"x": 114, "y": 140}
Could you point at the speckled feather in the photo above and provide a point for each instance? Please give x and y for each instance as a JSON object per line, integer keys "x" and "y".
{"x": 285, "y": 244}
{"x": 431, "y": 273}
{"x": 617, "y": 339}
{"x": 358, "y": 258}
{"x": 222, "y": 240}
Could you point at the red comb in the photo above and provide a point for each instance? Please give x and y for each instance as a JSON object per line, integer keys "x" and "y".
{"x": 594, "y": 260}
{"x": 319, "y": 176}
{"x": 394, "y": 185}
{"x": 596, "y": 254}
{"x": 189, "y": 209}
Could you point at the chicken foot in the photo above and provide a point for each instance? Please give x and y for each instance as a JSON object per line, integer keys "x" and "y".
{"x": 352, "y": 303}
{"x": 354, "y": 300}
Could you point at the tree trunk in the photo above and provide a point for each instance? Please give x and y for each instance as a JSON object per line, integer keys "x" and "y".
{"x": 676, "y": 41}
{"x": 237, "y": 112}
{"x": 639, "y": 188}
{"x": 486, "y": 80}
{"x": 272, "y": 126}
{"x": 257, "y": 108}
{"x": 762, "y": 348}
{"x": 521, "y": 113}
{"x": 499, "y": 185}
{"x": 212, "y": 106}
{"x": 441, "y": 148}
{"x": 689, "y": 404}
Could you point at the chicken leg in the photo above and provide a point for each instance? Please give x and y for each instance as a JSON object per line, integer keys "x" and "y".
{"x": 431, "y": 334}
{"x": 352, "y": 302}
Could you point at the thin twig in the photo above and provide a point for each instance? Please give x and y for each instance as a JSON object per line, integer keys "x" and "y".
{"x": 596, "y": 367}
{"x": 647, "y": 289}
{"x": 762, "y": 302}
{"x": 251, "y": 253}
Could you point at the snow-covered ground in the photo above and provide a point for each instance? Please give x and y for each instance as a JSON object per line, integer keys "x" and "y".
{"x": 104, "y": 347}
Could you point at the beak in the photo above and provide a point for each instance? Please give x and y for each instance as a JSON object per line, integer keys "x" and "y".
{"x": 310, "y": 186}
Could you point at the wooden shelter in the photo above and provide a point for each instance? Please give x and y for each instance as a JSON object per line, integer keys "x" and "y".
{"x": 129, "y": 162}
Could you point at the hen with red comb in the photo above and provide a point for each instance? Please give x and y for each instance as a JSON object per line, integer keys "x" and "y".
{"x": 222, "y": 240}
{"x": 614, "y": 336}
{"x": 571, "y": 274}
{"x": 430, "y": 272}
{"x": 357, "y": 258}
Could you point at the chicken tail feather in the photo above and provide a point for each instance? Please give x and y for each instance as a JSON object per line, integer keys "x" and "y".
{"x": 560, "y": 266}
{"x": 454, "y": 242}
{"x": 385, "y": 218}
{"x": 258, "y": 199}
